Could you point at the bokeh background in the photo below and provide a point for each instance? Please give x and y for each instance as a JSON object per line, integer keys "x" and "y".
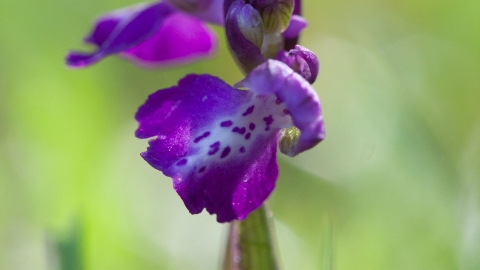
{"x": 394, "y": 186}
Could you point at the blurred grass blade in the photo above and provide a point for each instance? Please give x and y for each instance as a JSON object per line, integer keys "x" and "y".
{"x": 251, "y": 244}
{"x": 67, "y": 250}
{"x": 327, "y": 252}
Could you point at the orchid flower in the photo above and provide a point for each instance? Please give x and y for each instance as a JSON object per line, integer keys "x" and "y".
{"x": 218, "y": 143}
{"x": 162, "y": 33}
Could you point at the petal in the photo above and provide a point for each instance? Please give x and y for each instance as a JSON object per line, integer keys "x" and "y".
{"x": 298, "y": 95}
{"x": 121, "y": 30}
{"x": 217, "y": 143}
{"x": 105, "y": 26}
{"x": 180, "y": 39}
{"x": 292, "y": 41}
{"x": 297, "y": 24}
{"x": 292, "y": 33}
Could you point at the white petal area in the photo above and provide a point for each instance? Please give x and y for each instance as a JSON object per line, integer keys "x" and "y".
{"x": 234, "y": 136}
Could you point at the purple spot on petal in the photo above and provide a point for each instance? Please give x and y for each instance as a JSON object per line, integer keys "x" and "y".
{"x": 202, "y": 169}
{"x": 267, "y": 128}
{"x": 249, "y": 110}
{"x": 268, "y": 120}
{"x": 242, "y": 149}
{"x": 251, "y": 126}
{"x": 239, "y": 130}
{"x": 214, "y": 148}
{"x": 278, "y": 101}
{"x": 225, "y": 152}
{"x": 247, "y": 136}
{"x": 285, "y": 111}
{"x": 204, "y": 135}
{"x": 226, "y": 123}
{"x": 182, "y": 162}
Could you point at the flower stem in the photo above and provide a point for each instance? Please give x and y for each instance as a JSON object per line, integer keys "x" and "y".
{"x": 251, "y": 243}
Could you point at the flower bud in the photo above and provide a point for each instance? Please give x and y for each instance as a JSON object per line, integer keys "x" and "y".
{"x": 244, "y": 31}
{"x": 251, "y": 25}
{"x": 302, "y": 61}
{"x": 276, "y": 14}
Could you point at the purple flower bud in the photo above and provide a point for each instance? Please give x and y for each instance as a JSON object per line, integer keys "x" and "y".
{"x": 302, "y": 61}
{"x": 243, "y": 27}
{"x": 251, "y": 25}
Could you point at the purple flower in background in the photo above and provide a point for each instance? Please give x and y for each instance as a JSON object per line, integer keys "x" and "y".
{"x": 155, "y": 34}
{"x": 219, "y": 143}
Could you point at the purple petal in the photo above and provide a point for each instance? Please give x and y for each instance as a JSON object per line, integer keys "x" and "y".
{"x": 217, "y": 143}
{"x": 297, "y": 24}
{"x": 121, "y": 30}
{"x": 298, "y": 95}
{"x": 292, "y": 33}
{"x": 247, "y": 54}
{"x": 290, "y": 42}
{"x": 180, "y": 39}
{"x": 105, "y": 26}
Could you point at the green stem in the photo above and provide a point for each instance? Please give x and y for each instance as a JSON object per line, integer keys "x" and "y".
{"x": 251, "y": 243}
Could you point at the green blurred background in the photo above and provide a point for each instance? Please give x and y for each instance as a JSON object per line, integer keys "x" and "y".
{"x": 394, "y": 186}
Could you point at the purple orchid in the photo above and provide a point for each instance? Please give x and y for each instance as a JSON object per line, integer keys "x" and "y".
{"x": 155, "y": 34}
{"x": 219, "y": 143}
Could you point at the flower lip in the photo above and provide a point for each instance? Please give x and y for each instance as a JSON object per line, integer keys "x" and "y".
{"x": 219, "y": 143}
